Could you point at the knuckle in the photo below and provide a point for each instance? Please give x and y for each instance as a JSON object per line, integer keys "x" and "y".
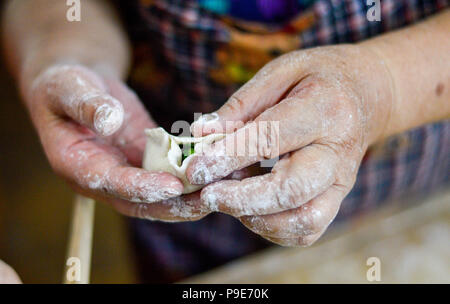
{"x": 235, "y": 103}
{"x": 345, "y": 145}
{"x": 268, "y": 140}
{"x": 291, "y": 193}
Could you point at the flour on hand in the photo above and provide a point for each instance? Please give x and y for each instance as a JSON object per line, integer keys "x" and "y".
{"x": 172, "y": 154}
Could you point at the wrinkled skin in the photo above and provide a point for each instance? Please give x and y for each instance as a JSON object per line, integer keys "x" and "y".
{"x": 331, "y": 104}
{"x": 91, "y": 128}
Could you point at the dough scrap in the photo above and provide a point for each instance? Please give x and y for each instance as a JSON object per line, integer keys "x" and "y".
{"x": 162, "y": 153}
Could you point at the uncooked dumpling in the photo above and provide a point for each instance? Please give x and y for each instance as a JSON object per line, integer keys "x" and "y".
{"x": 163, "y": 153}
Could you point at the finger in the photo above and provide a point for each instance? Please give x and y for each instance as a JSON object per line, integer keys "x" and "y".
{"x": 80, "y": 94}
{"x": 264, "y": 90}
{"x": 178, "y": 209}
{"x": 97, "y": 167}
{"x": 8, "y": 275}
{"x": 291, "y": 124}
{"x": 187, "y": 207}
{"x": 130, "y": 138}
{"x": 309, "y": 219}
{"x": 294, "y": 180}
{"x": 302, "y": 241}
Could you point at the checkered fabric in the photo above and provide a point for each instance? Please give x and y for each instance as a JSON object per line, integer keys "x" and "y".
{"x": 182, "y": 51}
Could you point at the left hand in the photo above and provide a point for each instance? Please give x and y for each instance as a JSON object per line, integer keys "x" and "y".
{"x": 331, "y": 104}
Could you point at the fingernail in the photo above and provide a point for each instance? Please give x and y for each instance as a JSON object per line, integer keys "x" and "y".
{"x": 108, "y": 119}
{"x": 171, "y": 192}
{"x": 207, "y": 118}
{"x": 204, "y": 120}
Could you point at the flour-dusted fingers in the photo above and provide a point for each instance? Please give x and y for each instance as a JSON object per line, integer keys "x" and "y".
{"x": 325, "y": 120}
{"x": 294, "y": 180}
{"x": 320, "y": 95}
{"x": 93, "y": 164}
{"x": 72, "y": 81}
{"x": 79, "y": 115}
{"x": 104, "y": 105}
{"x": 78, "y": 93}
{"x": 308, "y": 219}
{"x": 183, "y": 208}
{"x": 269, "y": 86}
{"x": 130, "y": 138}
{"x": 287, "y": 126}
{"x": 187, "y": 207}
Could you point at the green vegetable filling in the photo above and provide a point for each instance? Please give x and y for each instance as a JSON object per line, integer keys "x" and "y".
{"x": 187, "y": 149}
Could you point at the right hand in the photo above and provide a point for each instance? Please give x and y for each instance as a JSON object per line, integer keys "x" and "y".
{"x": 92, "y": 131}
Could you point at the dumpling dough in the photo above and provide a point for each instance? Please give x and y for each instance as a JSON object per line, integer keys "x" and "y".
{"x": 162, "y": 153}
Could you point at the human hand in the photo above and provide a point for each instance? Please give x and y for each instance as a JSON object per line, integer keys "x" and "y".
{"x": 91, "y": 128}
{"x": 331, "y": 103}
{"x": 8, "y": 275}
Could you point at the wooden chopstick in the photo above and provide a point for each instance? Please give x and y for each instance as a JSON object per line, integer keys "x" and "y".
{"x": 78, "y": 262}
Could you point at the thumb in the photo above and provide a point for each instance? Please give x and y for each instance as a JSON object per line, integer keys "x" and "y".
{"x": 79, "y": 93}
{"x": 269, "y": 86}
